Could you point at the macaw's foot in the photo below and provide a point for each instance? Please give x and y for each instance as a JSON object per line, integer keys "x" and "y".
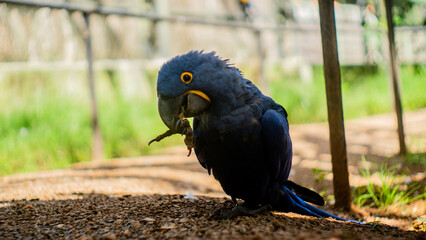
{"x": 239, "y": 210}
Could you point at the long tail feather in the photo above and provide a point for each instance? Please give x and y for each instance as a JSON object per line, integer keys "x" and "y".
{"x": 297, "y": 205}
{"x": 304, "y": 193}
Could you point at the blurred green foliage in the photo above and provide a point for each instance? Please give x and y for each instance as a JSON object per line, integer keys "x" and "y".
{"x": 43, "y": 126}
{"x": 405, "y": 12}
{"x": 409, "y": 12}
{"x": 365, "y": 91}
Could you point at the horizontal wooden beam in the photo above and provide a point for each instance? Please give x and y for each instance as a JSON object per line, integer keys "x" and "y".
{"x": 101, "y": 10}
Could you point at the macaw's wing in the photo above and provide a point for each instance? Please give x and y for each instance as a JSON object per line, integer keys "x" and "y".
{"x": 195, "y": 124}
{"x": 276, "y": 138}
{"x": 277, "y": 143}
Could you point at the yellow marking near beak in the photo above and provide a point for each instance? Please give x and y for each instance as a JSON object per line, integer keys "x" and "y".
{"x": 199, "y": 93}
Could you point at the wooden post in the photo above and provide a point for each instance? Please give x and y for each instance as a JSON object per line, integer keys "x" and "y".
{"x": 395, "y": 78}
{"x": 342, "y": 191}
{"x": 97, "y": 148}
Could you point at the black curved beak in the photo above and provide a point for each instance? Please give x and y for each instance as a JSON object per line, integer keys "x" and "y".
{"x": 174, "y": 110}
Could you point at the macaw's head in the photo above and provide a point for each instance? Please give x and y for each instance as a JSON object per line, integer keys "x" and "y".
{"x": 191, "y": 84}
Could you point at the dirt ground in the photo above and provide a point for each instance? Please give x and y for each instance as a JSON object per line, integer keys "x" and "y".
{"x": 151, "y": 196}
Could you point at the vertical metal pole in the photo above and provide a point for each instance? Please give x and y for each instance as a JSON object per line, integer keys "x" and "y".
{"x": 339, "y": 158}
{"x": 395, "y": 78}
{"x": 261, "y": 73}
{"x": 97, "y": 148}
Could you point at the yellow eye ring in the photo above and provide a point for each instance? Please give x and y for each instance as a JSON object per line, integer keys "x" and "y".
{"x": 186, "y": 77}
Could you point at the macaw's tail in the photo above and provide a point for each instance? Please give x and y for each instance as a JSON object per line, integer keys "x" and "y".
{"x": 292, "y": 203}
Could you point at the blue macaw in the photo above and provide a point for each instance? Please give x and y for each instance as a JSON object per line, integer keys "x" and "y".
{"x": 239, "y": 134}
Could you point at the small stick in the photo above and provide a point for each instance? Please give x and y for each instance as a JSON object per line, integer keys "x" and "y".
{"x": 185, "y": 130}
{"x": 160, "y": 137}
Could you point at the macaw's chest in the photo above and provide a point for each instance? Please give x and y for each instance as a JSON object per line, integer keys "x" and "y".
{"x": 222, "y": 138}
{"x": 236, "y": 157}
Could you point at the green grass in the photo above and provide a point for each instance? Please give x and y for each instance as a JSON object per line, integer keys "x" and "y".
{"x": 128, "y": 126}
{"x": 43, "y": 126}
{"x": 46, "y": 135}
{"x": 416, "y": 159}
{"x": 389, "y": 191}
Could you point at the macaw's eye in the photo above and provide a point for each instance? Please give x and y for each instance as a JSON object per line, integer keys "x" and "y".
{"x": 186, "y": 77}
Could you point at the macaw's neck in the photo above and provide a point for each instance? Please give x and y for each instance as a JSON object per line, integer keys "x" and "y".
{"x": 234, "y": 106}
{"x": 234, "y": 96}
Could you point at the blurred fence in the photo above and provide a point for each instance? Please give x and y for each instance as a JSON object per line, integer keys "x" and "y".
{"x": 50, "y": 36}
{"x": 44, "y": 34}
